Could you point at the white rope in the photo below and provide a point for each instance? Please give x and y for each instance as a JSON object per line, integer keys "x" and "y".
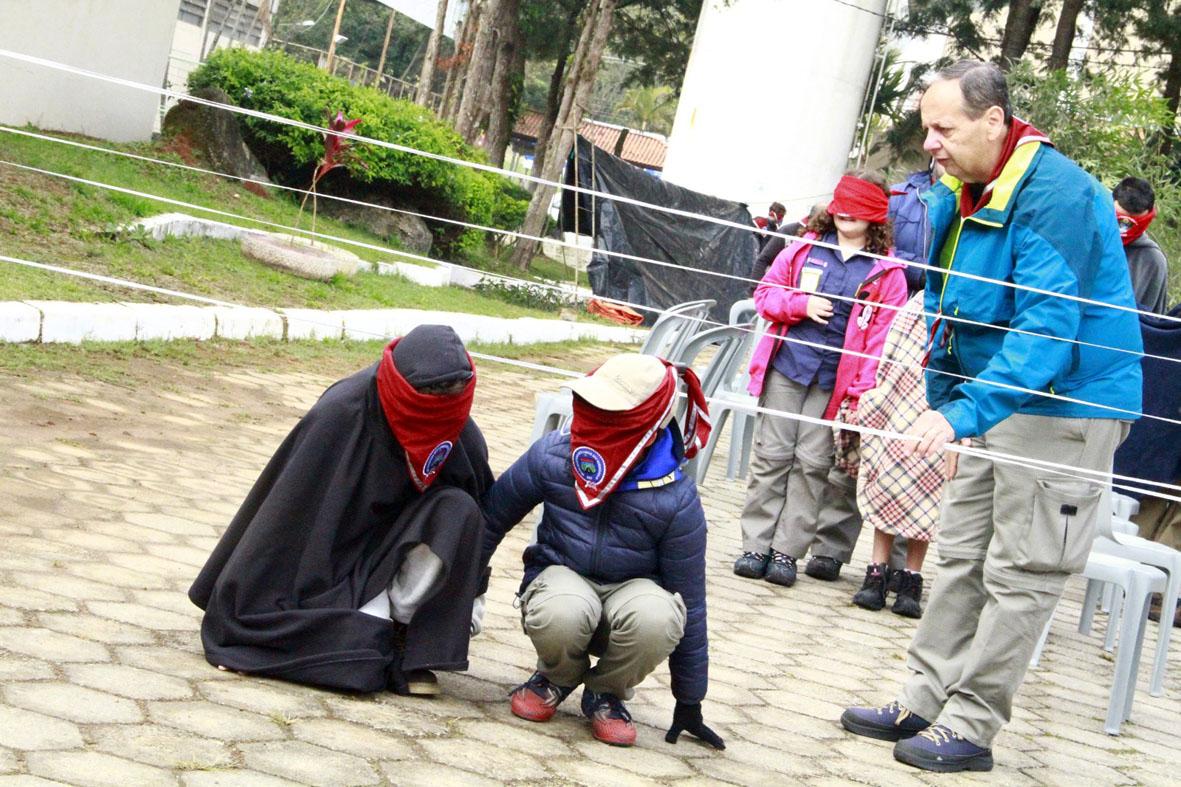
{"x": 33, "y": 60}
{"x": 661, "y": 263}
{"x": 562, "y": 289}
{"x": 1056, "y": 468}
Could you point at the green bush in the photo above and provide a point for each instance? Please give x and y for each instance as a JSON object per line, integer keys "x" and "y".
{"x": 272, "y": 82}
{"x": 1108, "y": 123}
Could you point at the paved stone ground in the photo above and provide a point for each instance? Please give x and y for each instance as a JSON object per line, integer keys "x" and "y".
{"x": 110, "y": 500}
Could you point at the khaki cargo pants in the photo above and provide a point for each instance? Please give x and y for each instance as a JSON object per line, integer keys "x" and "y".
{"x": 631, "y": 626}
{"x": 1009, "y": 537}
{"x": 793, "y": 483}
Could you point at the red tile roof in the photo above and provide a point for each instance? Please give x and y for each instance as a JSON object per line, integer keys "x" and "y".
{"x": 644, "y": 149}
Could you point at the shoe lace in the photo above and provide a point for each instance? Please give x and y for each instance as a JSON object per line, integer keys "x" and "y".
{"x": 900, "y": 712}
{"x": 939, "y": 735}
{"x": 782, "y": 559}
{"x": 754, "y": 556}
{"x": 611, "y": 707}
{"x": 550, "y": 692}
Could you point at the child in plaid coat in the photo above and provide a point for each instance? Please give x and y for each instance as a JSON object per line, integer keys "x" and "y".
{"x": 898, "y": 494}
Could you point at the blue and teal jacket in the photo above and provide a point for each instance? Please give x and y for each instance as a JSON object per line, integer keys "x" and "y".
{"x": 1050, "y": 226}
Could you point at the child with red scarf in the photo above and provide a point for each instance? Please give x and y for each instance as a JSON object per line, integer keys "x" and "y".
{"x": 828, "y": 309}
{"x": 617, "y": 570}
{"x": 354, "y": 561}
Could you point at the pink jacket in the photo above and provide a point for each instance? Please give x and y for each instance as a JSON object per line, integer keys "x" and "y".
{"x": 783, "y": 306}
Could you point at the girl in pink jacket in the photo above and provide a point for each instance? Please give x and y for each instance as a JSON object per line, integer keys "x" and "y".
{"x": 827, "y": 301}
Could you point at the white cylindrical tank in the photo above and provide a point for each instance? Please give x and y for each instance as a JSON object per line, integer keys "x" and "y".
{"x": 771, "y": 98}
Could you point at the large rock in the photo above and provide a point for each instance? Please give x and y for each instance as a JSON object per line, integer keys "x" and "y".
{"x": 410, "y": 232}
{"x": 214, "y": 132}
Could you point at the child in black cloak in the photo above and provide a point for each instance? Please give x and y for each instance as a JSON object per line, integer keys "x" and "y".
{"x": 354, "y": 561}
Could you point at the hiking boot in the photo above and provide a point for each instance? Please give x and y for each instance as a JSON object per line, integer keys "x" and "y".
{"x": 538, "y": 698}
{"x": 824, "y": 568}
{"x": 889, "y": 723}
{"x": 610, "y": 721}
{"x": 872, "y": 595}
{"x": 421, "y": 683}
{"x": 752, "y": 565}
{"x": 781, "y": 570}
{"x": 939, "y": 748}
{"x": 909, "y": 593}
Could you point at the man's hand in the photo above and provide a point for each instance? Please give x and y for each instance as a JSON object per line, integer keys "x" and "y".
{"x": 933, "y": 432}
{"x": 478, "y": 615}
{"x": 951, "y": 461}
{"x": 819, "y": 309}
{"x": 687, "y": 718}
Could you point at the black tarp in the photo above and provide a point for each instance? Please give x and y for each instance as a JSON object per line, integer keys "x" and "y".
{"x": 691, "y": 244}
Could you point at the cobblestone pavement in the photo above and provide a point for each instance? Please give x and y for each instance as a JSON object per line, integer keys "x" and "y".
{"x": 111, "y": 499}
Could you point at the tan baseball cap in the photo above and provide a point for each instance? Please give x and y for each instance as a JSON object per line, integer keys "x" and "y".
{"x": 623, "y": 382}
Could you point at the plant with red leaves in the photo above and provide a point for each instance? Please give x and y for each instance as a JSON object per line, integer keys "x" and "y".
{"x": 337, "y": 152}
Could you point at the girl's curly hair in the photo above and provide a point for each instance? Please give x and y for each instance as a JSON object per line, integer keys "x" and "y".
{"x": 879, "y": 237}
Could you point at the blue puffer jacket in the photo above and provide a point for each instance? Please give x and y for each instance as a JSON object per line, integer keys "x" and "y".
{"x": 911, "y": 227}
{"x": 657, "y": 533}
{"x": 1050, "y": 226}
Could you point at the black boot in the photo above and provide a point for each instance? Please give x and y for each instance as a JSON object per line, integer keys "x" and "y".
{"x": 872, "y": 595}
{"x": 909, "y": 593}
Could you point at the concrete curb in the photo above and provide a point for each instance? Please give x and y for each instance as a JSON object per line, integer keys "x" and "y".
{"x": 65, "y": 322}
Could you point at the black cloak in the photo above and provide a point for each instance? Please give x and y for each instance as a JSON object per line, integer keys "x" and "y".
{"x": 323, "y": 531}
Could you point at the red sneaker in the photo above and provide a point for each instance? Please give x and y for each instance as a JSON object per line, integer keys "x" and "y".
{"x": 610, "y": 721}
{"x": 537, "y": 699}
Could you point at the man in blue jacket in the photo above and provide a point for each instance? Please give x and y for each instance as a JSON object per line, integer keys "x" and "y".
{"x": 618, "y": 567}
{"x": 1048, "y": 371}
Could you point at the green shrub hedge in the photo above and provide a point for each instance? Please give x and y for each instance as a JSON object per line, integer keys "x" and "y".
{"x": 272, "y": 82}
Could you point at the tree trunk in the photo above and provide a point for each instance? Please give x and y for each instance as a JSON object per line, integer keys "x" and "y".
{"x": 335, "y": 33}
{"x": 575, "y": 97}
{"x": 508, "y": 73}
{"x": 385, "y": 48}
{"x": 479, "y": 72}
{"x": 460, "y": 61}
{"x": 426, "y": 77}
{"x": 1064, "y": 36}
{"x": 1172, "y": 92}
{"x": 553, "y": 100}
{"x": 1019, "y": 27}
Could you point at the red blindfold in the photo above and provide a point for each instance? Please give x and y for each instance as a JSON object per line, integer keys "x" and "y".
{"x": 1132, "y": 227}
{"x": 859, "y": 199}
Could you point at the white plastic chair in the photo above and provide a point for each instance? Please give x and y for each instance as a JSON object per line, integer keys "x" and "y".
{"x": 1152, "y": 554}
{"x": 667, "y": 339}
{"x": 1137, "y": 583}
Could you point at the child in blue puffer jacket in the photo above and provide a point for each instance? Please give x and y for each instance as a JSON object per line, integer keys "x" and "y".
{"x": 618, "y": 567}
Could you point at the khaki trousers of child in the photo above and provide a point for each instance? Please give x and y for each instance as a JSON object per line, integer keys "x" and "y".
{"x": 1009, "y": 537}
{"x": 789, "y": 470}
{"x": 631, "y": 626}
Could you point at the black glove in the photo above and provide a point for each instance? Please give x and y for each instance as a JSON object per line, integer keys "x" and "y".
{"x": 687, "y": 718}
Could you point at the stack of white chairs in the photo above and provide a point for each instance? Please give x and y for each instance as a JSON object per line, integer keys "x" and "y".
{"x": 1130, "y": 569}
{"x": 732, "y": 403}
{"x": 667, "y": 339}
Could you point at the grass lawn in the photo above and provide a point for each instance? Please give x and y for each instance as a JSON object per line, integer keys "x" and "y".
{"x": 132, "y": 364}
{"x": 50, "y": 220}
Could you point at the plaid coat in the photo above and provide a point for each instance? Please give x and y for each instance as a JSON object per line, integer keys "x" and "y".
{"x": 896, "y": 494}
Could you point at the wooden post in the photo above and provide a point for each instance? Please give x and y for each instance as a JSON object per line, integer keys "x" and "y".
{"x": 389, "y": 30}
{"x": 335, "y": 33}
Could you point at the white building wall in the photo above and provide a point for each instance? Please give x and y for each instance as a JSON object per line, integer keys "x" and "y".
{"x": 735, "y": 137}
{"x": 130, "y": 39}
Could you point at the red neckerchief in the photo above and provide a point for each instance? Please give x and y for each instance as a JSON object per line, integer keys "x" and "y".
{"x": 426, "y": 426}
{"x": 1139, "y": 224}
{"x": 859, "y": 199}
{"x": 606, "y": 444}
{"x": 1020, "y": 132}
